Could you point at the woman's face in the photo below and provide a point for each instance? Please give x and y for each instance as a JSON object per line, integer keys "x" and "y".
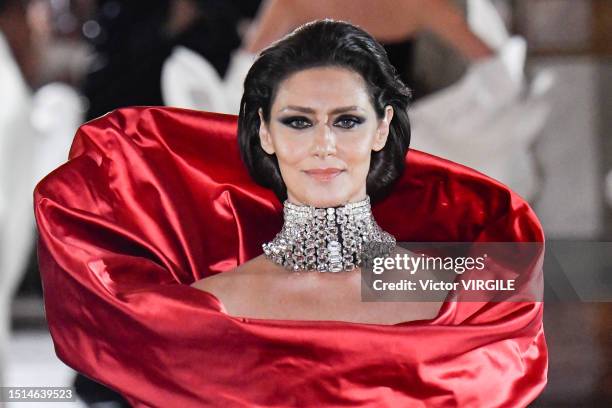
{"x": 323, "y": 129}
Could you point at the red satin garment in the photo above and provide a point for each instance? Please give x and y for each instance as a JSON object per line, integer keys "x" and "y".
{"x": 153, "y": 199}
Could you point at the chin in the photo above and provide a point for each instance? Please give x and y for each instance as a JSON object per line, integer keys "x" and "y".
{"x": 326, "y": 198}
{"x": 326, "y": 193}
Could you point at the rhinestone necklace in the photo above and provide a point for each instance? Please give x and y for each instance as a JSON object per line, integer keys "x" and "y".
{"x": 328, "y": 239}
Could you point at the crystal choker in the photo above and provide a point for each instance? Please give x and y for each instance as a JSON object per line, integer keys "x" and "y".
{"x": 328, "y": 239}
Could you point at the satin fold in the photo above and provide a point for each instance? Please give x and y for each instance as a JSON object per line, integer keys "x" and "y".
{"x": 153, "y": 199}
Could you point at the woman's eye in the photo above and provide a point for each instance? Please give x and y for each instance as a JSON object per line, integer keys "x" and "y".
{"x": 348, "y": 122}
{"x": 297, "y": 123}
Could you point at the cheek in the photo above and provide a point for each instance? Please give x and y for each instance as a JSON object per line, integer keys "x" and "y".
{"x": 290, "y": 152}
{"x": 290, "y": 155}
{"x": 290, "y": 149}
{"x": 352, "y": 148}
{"x": 356, "y": 151}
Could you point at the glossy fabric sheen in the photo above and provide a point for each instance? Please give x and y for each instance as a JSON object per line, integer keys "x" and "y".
{"x": 153, "y": 199}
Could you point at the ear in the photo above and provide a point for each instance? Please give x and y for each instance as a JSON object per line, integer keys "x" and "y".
{"x": 382, "y": 132}
{"x": 264, "y": 135}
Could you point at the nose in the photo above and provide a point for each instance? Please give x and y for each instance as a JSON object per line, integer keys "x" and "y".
{"x": 324, "y": 142}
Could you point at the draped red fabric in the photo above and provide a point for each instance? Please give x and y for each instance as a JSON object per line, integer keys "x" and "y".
{"x": 153, "y": 199}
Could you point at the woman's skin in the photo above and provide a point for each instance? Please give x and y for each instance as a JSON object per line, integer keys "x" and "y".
{"x": 386, "y": 20}
{"x": 305, "y": 135}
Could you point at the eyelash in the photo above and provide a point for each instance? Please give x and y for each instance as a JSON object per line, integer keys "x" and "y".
{"x": 288, "y": 121}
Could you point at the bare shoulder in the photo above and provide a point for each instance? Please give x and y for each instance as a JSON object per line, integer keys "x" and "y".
{"x": 227, "y": 282}
{"x": 210, "y": 282}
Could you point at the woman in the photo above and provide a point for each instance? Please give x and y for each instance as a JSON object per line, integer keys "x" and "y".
{"x": 316, "y": 128}
{"x": 147, "y": 202}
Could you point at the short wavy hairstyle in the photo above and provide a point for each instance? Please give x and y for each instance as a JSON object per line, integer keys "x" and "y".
{"x": 321, "y": 43}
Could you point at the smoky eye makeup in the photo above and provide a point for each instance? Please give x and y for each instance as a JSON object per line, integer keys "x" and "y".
{"x": 343, "y": 121}
{"x": 295, "y": 122}
{"x": 349, "y": 121}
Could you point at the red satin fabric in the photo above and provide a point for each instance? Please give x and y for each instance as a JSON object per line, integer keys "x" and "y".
{"x": 153, "y": 199}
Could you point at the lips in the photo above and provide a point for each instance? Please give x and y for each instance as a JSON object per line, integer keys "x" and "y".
{"x": 325, "y": 174}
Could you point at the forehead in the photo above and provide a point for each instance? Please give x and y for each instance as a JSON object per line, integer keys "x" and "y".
{"x": 323, "y": 88}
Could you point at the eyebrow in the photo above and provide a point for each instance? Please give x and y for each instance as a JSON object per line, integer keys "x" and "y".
{"x": 310, "y": 110}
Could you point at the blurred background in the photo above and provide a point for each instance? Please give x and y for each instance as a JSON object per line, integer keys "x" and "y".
{"x": 518, "y": 89}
